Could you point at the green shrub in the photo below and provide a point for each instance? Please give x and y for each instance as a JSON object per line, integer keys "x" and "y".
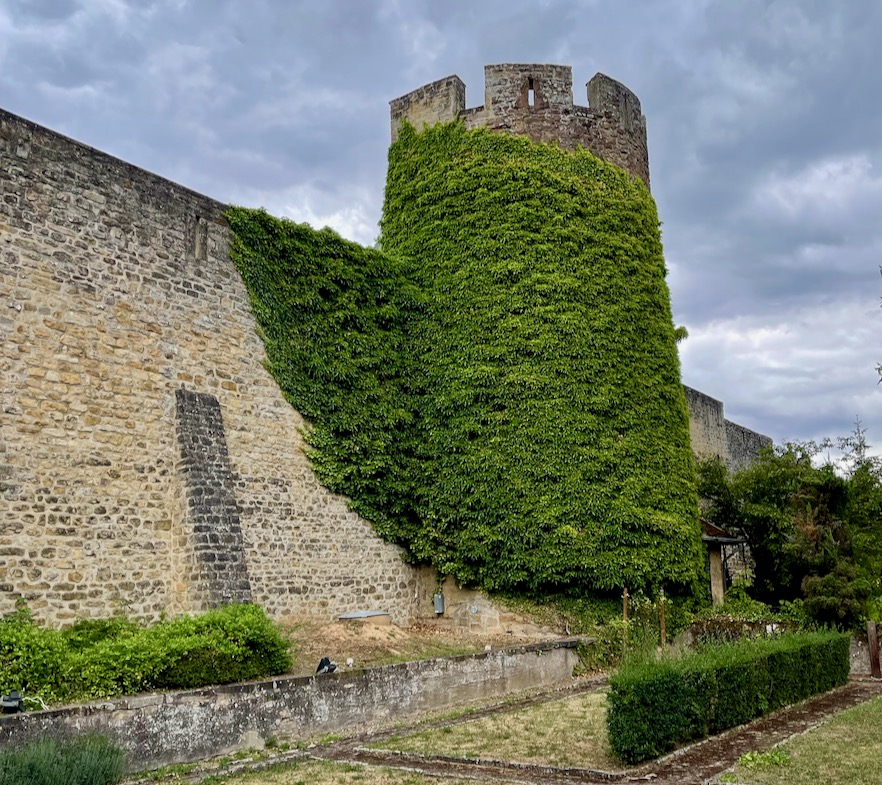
{"x": 117, "y": 657}
{"x": 656, "y": 705}
{"x": 31, "y": 657}
{"x": 234, "y": 643}
{"x": 87, "y": 632}
{"x": 89, "y": 760}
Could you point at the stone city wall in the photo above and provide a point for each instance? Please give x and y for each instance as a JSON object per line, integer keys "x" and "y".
{"x": 712, "y": 435}
{"x": 148, "y": 461}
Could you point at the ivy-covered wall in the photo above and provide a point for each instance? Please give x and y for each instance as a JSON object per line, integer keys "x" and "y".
{"x": 498, "y": 390}
{"x": 335, "y": 319}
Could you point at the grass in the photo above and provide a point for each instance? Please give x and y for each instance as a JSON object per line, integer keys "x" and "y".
{"x": 329, "y": 773}
{"x": 86, "y": 760}
{"x": 843, "y": 751}
{"x": 569, "y": 732}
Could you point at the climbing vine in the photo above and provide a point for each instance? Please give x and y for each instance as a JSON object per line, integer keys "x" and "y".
{"x": 498, "y": 388}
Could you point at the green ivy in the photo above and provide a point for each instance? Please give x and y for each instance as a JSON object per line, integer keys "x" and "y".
{"x": 335, "y": 320}
{"x": 498, "y": 390}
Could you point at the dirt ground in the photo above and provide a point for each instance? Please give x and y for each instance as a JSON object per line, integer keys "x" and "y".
{"x": 359, "y": 644}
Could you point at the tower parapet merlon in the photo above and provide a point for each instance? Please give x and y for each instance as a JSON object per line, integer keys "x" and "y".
{"x": 513, "y": 87}
{"x": 536, "y": 100}
{"x": 437, "y": 102}
{"x": 608, "y": 95}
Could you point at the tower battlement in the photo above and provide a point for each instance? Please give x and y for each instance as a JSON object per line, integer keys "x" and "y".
{"x": 536, "y": 100}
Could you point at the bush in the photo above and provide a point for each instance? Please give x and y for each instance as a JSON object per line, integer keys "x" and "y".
{"x": 88, "y": 632}
{"x": 234, "y": 643}
{"x": 117, "y": 657}
{"x": 90, "y": 760}
{"x": 717, "y": 688}
{"x": 31, "y": 657}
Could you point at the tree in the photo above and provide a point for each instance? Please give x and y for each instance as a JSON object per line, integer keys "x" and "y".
{"x": 815, "y": 532}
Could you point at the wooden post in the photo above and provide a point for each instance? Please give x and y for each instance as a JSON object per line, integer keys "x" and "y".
{"x": 664, "y": 632}
{"x": 873, "y": 640}
{"x": 625, "y": 605}
{"x": 715, "y": 561}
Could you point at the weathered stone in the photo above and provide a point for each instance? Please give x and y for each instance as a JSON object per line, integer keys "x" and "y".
{"x": 537, "y": 101}
{"x": 117, "y": 293}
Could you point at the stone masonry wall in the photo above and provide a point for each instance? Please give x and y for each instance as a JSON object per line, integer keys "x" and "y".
{"x": 712, "y": 435}
{"x": 743, "y": 445}
{"x": 118, "y": 300}
{"x": 537, "y": 101}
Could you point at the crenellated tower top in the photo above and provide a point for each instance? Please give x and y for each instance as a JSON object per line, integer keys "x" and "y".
{"x": 537, "y": 101}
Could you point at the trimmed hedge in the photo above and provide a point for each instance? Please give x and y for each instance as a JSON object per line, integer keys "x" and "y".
{"x": 98, "y": 659}
{"x": 655, "y": 706}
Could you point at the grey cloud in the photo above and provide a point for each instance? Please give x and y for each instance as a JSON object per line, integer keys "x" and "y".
{"x": 283, "y": 103}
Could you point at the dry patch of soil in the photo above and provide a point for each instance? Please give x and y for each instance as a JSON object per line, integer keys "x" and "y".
{"x": 367, "y": 644}
{"x": 569, "y": 732}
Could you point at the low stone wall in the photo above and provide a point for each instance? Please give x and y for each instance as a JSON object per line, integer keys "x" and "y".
{"x": 179, "y": 727}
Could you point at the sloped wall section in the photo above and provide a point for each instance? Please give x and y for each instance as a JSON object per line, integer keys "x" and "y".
{"x": 148, "y": 461}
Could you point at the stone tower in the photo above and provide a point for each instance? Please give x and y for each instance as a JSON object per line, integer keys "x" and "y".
{"x": 537, "y": 101}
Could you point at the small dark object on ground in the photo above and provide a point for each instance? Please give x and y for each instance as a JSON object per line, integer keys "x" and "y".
{"x": 326, "y": 666}
{"x": 12, "y": 703}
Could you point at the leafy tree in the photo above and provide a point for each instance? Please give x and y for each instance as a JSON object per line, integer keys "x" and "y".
{"x": 815, "y": 532}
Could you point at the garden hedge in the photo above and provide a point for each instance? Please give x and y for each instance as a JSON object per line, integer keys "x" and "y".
{"x": 657, "y": 705}
{"x": 101, "y": 658}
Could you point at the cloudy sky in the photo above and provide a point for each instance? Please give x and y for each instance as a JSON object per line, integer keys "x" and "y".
{"x": 765, "y": 137}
